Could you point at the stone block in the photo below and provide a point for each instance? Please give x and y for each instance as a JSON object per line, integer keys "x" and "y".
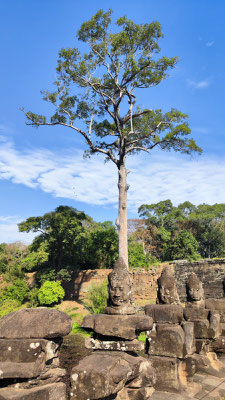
{"x": 105, "y": 373}
{"x": 202, "y": 345}
{"x": 121, "y": 326}
{"x": 214, "y": 324}
{"x": 135, "y": 394}
{"x": 35, "y": 323}
{"x": 195, "y": 314}
{"x": 22, "y": 370}
{"x": 27, "y": 350}
{"x": 165, "y": 313}
{"x": 119, "y": 345}
{"x": 56, "y": 391}
{"x": 205, "y": 363}
{"x": 167, "y": 377}
{"x": 216, "y": 304}
{"x": 218, "y": 345}
{"x": 169, "y": 341}
{"x": 201, "y": 329}
{"x": 189, "y": 338}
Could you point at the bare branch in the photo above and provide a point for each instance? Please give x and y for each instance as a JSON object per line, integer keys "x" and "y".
{"x": 146, "y": 149}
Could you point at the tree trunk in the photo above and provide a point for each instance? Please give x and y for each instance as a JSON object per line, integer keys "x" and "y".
{"x": 122, "y": 214}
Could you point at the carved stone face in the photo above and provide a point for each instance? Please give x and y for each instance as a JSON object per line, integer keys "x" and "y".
{"x": 168, "y": 294}
{"x": 167, "y": 290}
{"x": 195, "y": 291}
{"x": 119, "y": 292}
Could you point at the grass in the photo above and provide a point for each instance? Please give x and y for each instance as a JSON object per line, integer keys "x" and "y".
{"x": 77, "y": 330}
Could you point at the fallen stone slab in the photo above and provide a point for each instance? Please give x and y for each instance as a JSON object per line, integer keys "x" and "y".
{"x": 56, "y": 391}
{"x": 165, "y": 313}
{"x": 35, "y": 323}
{"x": 121, "y": 326}
{"x": 119, "y": 345}
{"x": 105, "y": 373}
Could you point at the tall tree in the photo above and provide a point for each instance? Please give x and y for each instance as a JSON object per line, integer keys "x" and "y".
{"x": 96, "y": 97}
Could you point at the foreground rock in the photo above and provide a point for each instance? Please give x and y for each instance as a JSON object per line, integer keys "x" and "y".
{"x": 105, "y": 373}
{"x": 35, "y": 323}
{"x": 29, "y": 363}
{"x": 56, "y": 391}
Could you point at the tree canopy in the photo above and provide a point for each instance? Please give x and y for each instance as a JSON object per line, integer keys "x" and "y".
{"x": 96, "y": 97}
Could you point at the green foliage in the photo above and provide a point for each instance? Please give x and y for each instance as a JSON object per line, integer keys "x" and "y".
{"x": 206, "y": 223}
{"x": 69, "y": 240}
{"x": 8, "y": 307}
{"x": 183, "y": 246}
{"x": 136, "y": 255}
{"x": 50, "y": 293}
{"x": 97, "y": 296}
{"x": 77, "y": 330}
{"x": 17, "y": 291}
{"x": 116, "y": 64}
{"x": 142, "y": 337}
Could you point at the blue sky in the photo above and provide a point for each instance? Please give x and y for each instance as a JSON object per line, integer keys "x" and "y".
{"x": 41, "y": 169}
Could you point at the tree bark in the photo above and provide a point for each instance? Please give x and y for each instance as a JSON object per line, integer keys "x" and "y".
{"x": 122, "y": 214}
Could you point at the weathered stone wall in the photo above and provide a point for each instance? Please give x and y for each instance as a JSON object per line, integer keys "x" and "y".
{"x": 210, "y": 272}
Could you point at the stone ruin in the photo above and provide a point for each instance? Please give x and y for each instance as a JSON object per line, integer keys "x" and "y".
{"x": 29, "y": 344}
{"x": 181, "y": 340}
{"x": 114, "y": 368}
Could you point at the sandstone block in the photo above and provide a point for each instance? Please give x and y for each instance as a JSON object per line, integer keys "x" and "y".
{"x": 169, "y": 342}
{"x": 202, "y": 345}
{"x": 35, "y": 323}
{"x": 195, "y": 314}
{"x": 121, "y": 326}
{"x": 216, "y": 304}
{"x": 56, "y": 391}
{"x": 189, "y": 338}
{"x": 165, "y": 313}
{"x": 166, "y": 373}
{"x": 27, "y": 350}
{"x": 214, "y": 324}
{"x": 135, "y": 394}
{"x": 218, "y": 345}
{"x": 22, "y": 370}
{"x": 119, "y": 345}
{"x": 102, "y": 374}
{"x": 201, "y": 329}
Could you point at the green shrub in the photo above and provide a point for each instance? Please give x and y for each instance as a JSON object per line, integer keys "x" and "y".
{"x": 97, "y": 296}
{"x": 50, "y": 293}
{"x": 8, "y": 307}
{"x": 136, "y": 255}
{"x": 18, "y": 291}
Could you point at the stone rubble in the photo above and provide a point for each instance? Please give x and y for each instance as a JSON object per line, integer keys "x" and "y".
{"x": 29, "y": 344}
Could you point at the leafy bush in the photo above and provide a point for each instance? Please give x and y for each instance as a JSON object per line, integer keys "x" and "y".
{"x": 97, "y": 296}
{"x": 18, "y": 291}
{"x": 50, "y": 293}
{"x": 136, "y": 255}
{"x": 8, "y": 307}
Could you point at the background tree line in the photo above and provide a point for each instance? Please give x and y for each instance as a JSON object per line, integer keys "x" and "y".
{"x": 69, "y": 240}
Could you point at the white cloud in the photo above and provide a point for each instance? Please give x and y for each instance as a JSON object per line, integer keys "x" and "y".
{"x": 198, "y": 84}
{"x": 152, "y": 178}
{"x": 209, "y": 44}
{"x": 9, "y": 230}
